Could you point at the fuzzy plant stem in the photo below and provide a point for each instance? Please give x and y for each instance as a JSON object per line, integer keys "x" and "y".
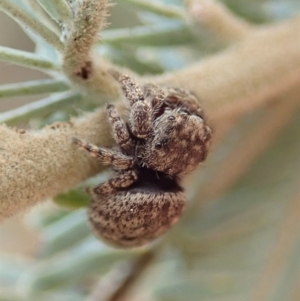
{"x": 36, "y": 165}
{"x": 211, "y": 19}
{"x": 39, "y": 164}
{"x": 80, "y": 64}
{"x": 263, "y": 65}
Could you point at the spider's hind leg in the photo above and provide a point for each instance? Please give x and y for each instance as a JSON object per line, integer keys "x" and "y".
{"x": 121, "y": 180}
{"x": 106, "y": 156}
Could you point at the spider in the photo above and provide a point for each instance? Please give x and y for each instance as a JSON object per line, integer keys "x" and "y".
{"x": 165, "y": 138}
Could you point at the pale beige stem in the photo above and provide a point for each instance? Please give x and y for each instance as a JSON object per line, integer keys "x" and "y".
{"x": 212, "y": 20}
{"x": 242, "y": 77}
{"x": 80, "y": 64}
{"x": 39, "y": 164}
{"x": 36, "y": 165}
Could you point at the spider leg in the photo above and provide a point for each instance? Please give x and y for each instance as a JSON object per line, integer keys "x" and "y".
{"x": 140, "y": 119}
{"x": 106, "y": 156}
{"x": 119, "y": 130}
{"x": 140, "y": 113}
{"x": 121, "y": 180}
{"x": 132, "y": 90}
{"x": 157, "y": 99}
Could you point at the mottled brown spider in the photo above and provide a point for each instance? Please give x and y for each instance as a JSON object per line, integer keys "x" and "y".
{"x": 165, "y": 137}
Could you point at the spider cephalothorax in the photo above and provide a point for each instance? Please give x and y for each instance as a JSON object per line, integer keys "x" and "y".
{"x": 164, "y": 138}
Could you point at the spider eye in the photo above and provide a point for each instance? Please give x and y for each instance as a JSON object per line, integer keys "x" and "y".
{"x": 158, "y": 145}
{"x": 171, "y": 117}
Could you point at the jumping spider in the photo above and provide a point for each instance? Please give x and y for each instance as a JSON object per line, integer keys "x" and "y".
{"x": 165, "y": 137}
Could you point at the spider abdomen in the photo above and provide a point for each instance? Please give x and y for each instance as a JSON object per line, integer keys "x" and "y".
{"x": 133, "y": 217}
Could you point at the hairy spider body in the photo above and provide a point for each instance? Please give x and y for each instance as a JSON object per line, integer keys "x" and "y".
{"x": 165, "y": 137}
{"x": 131, "y": 217}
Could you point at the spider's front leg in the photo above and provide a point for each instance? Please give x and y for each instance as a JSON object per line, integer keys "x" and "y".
{"x": 123, "y": 179}
{"x": 106, "y": 156}
{"x": 140, "y": 110}
{"x": 157, "y": 98}
{"x": 119, "y": 130}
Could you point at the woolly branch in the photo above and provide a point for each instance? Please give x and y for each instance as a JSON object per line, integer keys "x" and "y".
{"x": 36, "y": 165}
{"x": 39, "y": 164}
{"x": 79, "y": 63}
{"x": 213, "y": 19}
{"x": 263, "y": 65}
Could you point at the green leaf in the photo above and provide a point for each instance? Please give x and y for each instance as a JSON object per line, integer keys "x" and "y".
{"x": 74, "y": 198}
{"x": 59, "y": 10}
{"x": 170, "y": 34}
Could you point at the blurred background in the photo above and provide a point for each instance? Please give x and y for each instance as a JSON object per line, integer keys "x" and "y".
{"x": 239, "y": 238}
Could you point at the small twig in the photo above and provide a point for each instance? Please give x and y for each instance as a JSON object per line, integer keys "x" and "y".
{"x": 33, "y": 87}
{"x": 43, "y": 16}
{"x": 79, "y": 63}
{"x": 27, "y": 59}
{"x": 213, "y": 19}
{"x": 156, "y": 35}
{"x": 29, "y": 21}
{"x": 58, "y": 10}
{"x": 121, "y": 279}
{"x": 169, "y": 11}
{"x": 46, "y": 105}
